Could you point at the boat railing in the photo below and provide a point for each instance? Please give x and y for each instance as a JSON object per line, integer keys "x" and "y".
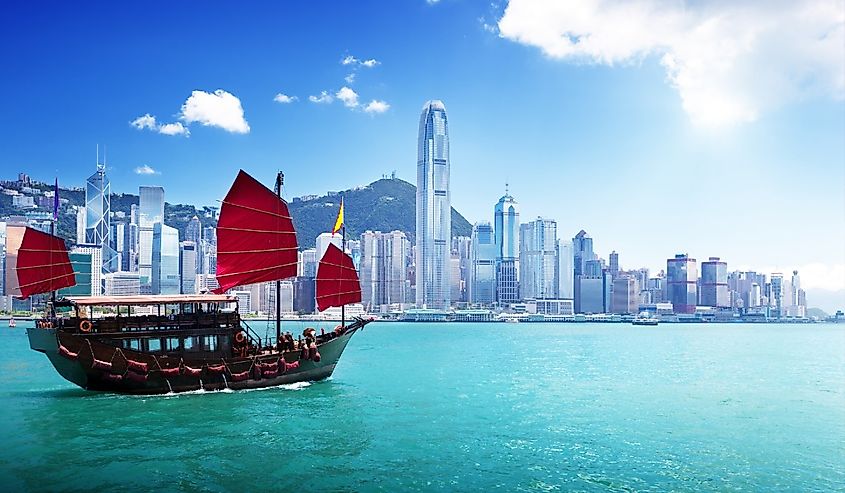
{"x": 251, "y": 335}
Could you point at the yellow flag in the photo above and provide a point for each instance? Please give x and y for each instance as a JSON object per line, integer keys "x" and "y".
{"x": 339, "y": 223}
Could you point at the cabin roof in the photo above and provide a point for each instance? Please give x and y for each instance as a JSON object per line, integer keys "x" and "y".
{"x": 150, "y": 299}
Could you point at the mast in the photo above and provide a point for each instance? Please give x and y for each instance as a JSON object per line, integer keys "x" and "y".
{"x": 343, "y": 249}
{"x": 280, "y": 181}
{"x": 53, "y": 233}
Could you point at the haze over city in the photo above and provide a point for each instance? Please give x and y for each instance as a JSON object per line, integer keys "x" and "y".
{"x": 656, "y": 139}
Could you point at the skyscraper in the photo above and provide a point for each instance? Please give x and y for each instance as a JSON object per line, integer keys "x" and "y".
{"x": 482, "y": 278}
{"x": 614, "y": 263}
{"x": 434, "y": 211}
{"x": 681, "y": 278}
{"x": 383, "y": 274}
{"x": 506, "y": 230}
{"x": 188, "y": 267}
{"x": 97, "y": 216}
{"x": 582, "y": 251}
{"x": 538, "y": 259}
{"x": 165, "y": 260}
{"x": 714, "y": 283}
{"x": 150, "y": 213}
{"x": 566, "y": 270}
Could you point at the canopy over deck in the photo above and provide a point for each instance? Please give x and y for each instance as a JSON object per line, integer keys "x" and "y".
{"x": 150, "y": 299}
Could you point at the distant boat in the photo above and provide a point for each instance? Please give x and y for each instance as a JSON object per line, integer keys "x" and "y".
{"x": 645, "y": 318}
{"x": 12, "y": 323}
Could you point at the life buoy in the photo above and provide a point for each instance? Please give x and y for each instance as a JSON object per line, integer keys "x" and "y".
{"x": 85, "y": 326}
{"x": 240, "y": 338}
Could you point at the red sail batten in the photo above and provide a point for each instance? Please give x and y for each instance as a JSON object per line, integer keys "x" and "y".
{"x": 256, "y": 241}
{"x": 337, "y": 280}
{"x": 43, "y": 264}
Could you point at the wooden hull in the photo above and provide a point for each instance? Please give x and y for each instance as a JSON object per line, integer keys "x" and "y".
{"x": 79, "y": 367}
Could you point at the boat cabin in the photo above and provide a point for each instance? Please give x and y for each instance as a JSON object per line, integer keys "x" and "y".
{"x": 158, "y": 324}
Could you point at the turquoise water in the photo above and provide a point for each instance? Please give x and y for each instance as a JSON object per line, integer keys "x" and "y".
{"x": 468, "y": 407}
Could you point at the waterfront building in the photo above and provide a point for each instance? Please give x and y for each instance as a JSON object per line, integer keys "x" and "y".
{"x": 83, "y": 263}
{"x": 244, "y": 297}
{"x": 776, "y": 289}
{"x": 456, "y": 283}
{"x": 98, "y": 216}
{"x": 325, "y": 239}
{"x": 433, "y": 218}
{"x": 206, "y": 283}
{"x": 150, "y": 213}
{"x": 593, "y": 290}
{"x": 165, "y": 260}
{"x": 625, "y": 294}
{"x": 681, "y": 283}
{"x": 614, "y": 263}
{"x": 88, "y": 269}
{"x": 506, "y": 230}
{"x": 714, "y": 284}
{"x": 582, "y": 251}
{"x": 121, "y": 284}
{"x": 382, "y": 272}
{"x": 538, "y": 259}
{"x": 550, "y": 306}
{"x": 80, "y": 224}
{"x": 566, "y": 271}
{"x": 193, "y": 232}
{"x": 309, "y": 261}
{"x": 188, "y": 267}
{"x": 481, "y": 285}
{"x": 304, "y": 295}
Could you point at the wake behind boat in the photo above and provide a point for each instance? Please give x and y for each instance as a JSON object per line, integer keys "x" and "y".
{"x": 175, "y": 343}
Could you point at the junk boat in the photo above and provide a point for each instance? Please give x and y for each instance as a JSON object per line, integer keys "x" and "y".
{"x": 158, "y": 344}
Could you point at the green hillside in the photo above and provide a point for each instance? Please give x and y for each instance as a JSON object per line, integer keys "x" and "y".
{"x": 384, "y": 205}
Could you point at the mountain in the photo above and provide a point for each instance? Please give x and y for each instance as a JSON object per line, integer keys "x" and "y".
{"x": 384, "y": 205}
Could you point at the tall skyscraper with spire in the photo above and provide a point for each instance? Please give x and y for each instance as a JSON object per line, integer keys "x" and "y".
{"x": 434, "y": 209}
{"x": 97, "y": 215}
{"x": 506, "y": 230}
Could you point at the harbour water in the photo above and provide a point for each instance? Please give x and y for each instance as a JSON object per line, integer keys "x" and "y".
{"x": 468, "y": 407}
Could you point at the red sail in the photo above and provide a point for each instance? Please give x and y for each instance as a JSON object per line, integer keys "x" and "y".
{"x": 337, "y": 280}
{"x": 43, "y": 264}
{"x": 256, "y": 241}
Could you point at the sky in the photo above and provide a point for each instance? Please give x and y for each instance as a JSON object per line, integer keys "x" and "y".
{"x": 711, "y": 128}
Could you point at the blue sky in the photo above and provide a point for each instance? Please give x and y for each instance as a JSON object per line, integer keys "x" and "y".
{"x": 657, "y": 130}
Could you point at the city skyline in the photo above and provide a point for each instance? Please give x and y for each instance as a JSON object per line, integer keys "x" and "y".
{"x": 587, "y": 131}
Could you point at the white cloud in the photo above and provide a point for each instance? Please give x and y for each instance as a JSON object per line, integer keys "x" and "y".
{"x": 432, "y": 2}
{"x": 324, "y": 97}
{"x": 348, "y": 97}
{"x": 350, "y": 79}
{"x": 355, "y": 62}
{"x": 284, "y": 98}
{"x": 217, "y": 109}
{"x": 146, "y": 170}
{"x": 146, "y": 121}
{"x": 729, "y": 61}
{"x": 174, "y": 129}
{"x": 376, "y": 106}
